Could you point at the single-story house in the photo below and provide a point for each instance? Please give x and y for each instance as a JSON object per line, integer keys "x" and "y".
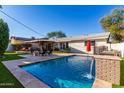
{"x": 78, "y": 44}
{"x": 75, "y": 44}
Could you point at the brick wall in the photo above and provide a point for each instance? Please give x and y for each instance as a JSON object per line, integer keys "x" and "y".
{"x": 108, "y": 68}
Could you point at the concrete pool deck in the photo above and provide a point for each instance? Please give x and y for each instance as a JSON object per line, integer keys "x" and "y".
{"x": 29, "y": 81}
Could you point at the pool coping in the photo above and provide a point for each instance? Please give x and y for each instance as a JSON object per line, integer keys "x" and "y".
{"x": 30, "y": 81}
{"x": 25, "y": 78}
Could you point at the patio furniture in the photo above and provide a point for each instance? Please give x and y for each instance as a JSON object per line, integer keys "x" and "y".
{"x": 36, "y": 53}
{"x": 100, "y": 49}
{"x": 113, "y": 53}
{"x": 117, "y": 53}
{"x": 49, "y": 51}
{"x": 107, "y": 53}
{"x": 43, "y": 52}
{"x": 33, "y": 49}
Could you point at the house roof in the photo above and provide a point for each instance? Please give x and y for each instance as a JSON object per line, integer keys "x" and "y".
{"x": 66, "y": 39}
{"x": 88, "y": 37}
{"x": 40, "y": 40}
{"x": 21, "y": 38}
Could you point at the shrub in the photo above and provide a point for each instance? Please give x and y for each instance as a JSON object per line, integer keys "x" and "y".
{"x": 4, "y": 37}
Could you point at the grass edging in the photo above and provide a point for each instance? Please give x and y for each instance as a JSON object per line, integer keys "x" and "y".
{"x": 7, "y": 80}
{"x": 121, "y": 75}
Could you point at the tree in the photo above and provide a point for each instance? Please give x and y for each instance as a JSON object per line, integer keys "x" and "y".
{"x": 114, "y": 24}
{"x": 4, "y": 37}
{"x": 57, "y": 34}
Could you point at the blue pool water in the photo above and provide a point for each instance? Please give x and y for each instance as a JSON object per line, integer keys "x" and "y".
{"x": 65, "y": 72}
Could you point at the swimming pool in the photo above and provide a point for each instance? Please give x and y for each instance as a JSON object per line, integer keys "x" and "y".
{"x": 65, "y": 72}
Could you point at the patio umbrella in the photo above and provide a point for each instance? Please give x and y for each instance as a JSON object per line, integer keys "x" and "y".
{"x": 89, "y": 76}
{"x": 88, "y": 46}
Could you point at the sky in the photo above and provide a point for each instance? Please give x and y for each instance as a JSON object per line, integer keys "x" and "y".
{"x": 73, "y": 20}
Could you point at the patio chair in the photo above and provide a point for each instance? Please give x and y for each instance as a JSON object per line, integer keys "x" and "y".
{"x": 43, "y": 52}
{"x": 117, "y": 53}
{"x": 32, "y": 50}
{"x": 35, "y": 53}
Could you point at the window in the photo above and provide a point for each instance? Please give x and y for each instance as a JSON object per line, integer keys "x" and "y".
{"x": 92, "y": 43}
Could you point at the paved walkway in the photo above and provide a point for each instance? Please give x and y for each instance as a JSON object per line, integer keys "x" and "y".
{"x": 98, "y": 83}
{"x": 29, "y": 81}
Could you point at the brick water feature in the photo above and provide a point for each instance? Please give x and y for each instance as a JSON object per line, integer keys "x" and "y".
{"x": 108, "y": 68}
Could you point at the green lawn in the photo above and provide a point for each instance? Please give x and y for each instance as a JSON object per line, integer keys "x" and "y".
{"x": 121, "y": 76}
{"x": 7, "y": 80}
{"x": 117, "y": 86}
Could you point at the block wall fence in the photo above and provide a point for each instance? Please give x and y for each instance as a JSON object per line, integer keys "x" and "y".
{"x": 108, "y": 68}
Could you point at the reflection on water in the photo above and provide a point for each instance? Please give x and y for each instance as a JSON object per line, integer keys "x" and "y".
{"x": 66, "y": 72}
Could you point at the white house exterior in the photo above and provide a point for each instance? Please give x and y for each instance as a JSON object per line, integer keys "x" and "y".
{"x": 78, "y": 44}
{"x": 75, "y": 44}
